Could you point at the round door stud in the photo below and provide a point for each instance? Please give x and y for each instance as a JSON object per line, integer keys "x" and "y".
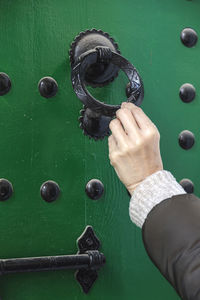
{"x": 189, "y": 37}
{"x": 94, "y": 189}
{"x": 6, "y": 189}
{"x": 5, "y": 84}
{"x": 48, "y": 87}
{"x": 50, "y": 191}
{"x": 188, "y": 185}
{"x": 186, "y": 139}
{"x": 187, "y": 92}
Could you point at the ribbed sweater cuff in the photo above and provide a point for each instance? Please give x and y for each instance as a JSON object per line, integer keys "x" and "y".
{"x": 152, "y": 190}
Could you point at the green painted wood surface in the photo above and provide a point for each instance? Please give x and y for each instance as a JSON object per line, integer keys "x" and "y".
{"x": 40, "y": 139}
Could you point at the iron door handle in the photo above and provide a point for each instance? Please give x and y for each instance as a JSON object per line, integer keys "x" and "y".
{"x": 87, "y": 261}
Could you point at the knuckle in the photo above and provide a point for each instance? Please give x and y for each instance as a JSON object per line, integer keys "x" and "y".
{"x": 152, "y": 132}
{"x": 112, "y": 155}
{"x": 137, "y": 107}
{"x": 124, "y": 150}
{"x": 112, "y": 123}
{"x": 119, "y": 112}
{"x": 130, "y": 104}
{"x": 117, "y": 155}
{"x": 113, "y": 158}
{"x": 127, "y": 111}
{"x": 139, "y": 142}
{"x": 148, "y": 132}
{"x": 123, "y": 153}
{"x": 125, "y": 147}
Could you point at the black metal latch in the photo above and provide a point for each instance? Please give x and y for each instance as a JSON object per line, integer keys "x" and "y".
{"x": 87, "y": 261}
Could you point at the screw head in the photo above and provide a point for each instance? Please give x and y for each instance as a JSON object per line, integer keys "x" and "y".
{"x": 187, "y": 92}
{"x": 6, "y": 189}
{"x": 48, "y": 87}
{"x": 189, "y": 37}
{"x": 50, "y": 191}
{"x": 5, "y": 84}
{"x": 186, "y": 139}
{"x": 94, "y": 189}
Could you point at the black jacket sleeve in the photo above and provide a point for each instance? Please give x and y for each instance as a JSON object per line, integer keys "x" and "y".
{"x": 171, "y": 236}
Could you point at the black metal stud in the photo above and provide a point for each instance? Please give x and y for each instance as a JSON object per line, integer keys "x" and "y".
{"x": 48, "y": 87}
{"x": 50, "y": 191}
{"x": 186, "y": 139}
{"x": 189, "y": 37}
{"x": 187, "y": 92}
{"x": 188, "y": 185}
{"x": 94, "y": 189}
{"x": 5, "y": 84}
{"x": 6, "y": 189}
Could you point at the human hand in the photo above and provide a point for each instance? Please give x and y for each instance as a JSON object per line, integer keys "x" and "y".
{"x": 134, "y": 146}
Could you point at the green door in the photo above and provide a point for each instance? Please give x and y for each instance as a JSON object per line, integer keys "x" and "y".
{"x": 40, "y": 139}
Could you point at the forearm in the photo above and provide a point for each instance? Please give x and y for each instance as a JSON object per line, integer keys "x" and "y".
{"x": 171, "y": 238}
{"x": 169, "y": 218}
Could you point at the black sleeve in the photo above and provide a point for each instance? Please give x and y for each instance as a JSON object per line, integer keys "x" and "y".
{"x": 171, "y": 236}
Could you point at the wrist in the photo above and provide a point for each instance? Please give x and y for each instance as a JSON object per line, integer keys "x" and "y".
{"x": 131, "y": 188}
{"x": 154, "y": 189}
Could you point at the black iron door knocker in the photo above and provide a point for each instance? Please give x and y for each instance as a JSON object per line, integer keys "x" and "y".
{"x": 96, "y": 60}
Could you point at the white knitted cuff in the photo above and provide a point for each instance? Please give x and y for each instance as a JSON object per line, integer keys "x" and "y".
{"x": 151, "y": 191}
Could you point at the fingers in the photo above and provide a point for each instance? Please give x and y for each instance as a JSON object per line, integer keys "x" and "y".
{"x": 131, "y": 122}
{"x": 112, "y": 144}
{"x": 128, "y": 121}
{"x": 118, "y": 132}
{"x": 140, "y": 117}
